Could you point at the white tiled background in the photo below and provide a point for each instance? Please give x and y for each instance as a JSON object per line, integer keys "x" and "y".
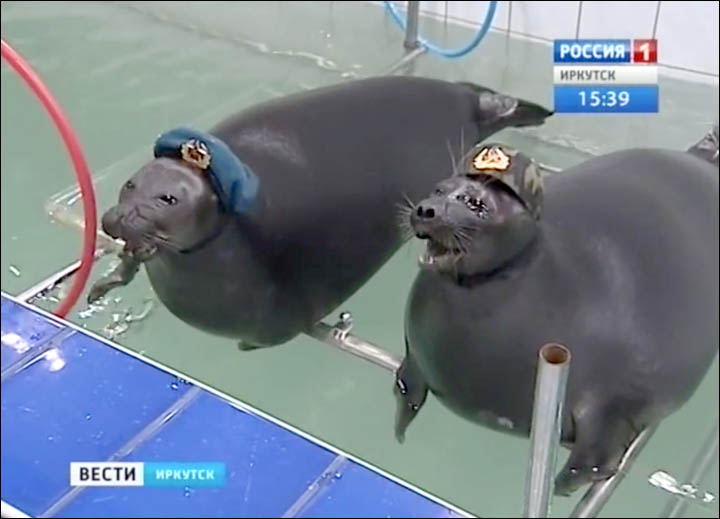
{"x": 687, "y": 32}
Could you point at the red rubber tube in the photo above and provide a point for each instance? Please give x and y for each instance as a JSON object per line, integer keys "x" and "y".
{"x": 84, "y": 180}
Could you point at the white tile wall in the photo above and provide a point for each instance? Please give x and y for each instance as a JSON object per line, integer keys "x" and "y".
{"x": 546, "y": 20}
{"x": 618, "y": 19}
{"x": 687, "y": 35}
{"x": 687, "y": 32}
{"x": 468, "y": 12}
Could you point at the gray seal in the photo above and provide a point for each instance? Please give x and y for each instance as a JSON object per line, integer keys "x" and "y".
{"x": 615, "y": 258}
{"x": 328, "y": 169}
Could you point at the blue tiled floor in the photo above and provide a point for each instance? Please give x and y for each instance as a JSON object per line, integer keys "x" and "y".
{"x": 22, "y": 331}
{"x": 83, "y": 400}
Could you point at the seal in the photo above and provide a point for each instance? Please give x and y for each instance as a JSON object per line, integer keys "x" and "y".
{"x": 616, "y": 258}
{"x": 261, "y": 227}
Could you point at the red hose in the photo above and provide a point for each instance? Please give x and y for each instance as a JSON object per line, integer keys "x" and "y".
{"x": 82, "y": 172}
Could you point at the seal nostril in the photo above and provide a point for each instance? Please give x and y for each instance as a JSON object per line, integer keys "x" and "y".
{"x": 425, "y": 213}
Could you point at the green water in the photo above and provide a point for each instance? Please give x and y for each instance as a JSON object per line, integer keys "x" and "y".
{"x": 127, "y": 71}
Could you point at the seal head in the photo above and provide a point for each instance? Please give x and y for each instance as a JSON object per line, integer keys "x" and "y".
{"x": 483, "y": 216}
{"x": 179, "y": 200}
{"x": 167, "y": 204}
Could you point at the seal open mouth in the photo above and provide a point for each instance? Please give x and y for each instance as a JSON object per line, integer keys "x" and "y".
{"x": 142, "y": 251}
{"x": 438, "y": 255}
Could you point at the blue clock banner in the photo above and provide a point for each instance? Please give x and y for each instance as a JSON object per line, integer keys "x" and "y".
{"x": 605, "y": 76}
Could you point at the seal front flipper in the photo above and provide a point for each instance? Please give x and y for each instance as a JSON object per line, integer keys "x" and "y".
{"x": 245, "y": 346}
{"x": 602, "y": 435}
{"x": 123, "y": 274}
{"x": 410, "y": 394}
{"x": 505, "y": 110}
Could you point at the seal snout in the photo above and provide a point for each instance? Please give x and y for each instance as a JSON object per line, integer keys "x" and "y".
{"x": 430, "y": 222}
{"x": 112, "y": 222}
{"x": 122, "y": 222}
{"x": 425, "y": 218}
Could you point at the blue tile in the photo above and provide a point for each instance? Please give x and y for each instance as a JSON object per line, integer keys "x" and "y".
{"x": 80, "y": 405}
{"x": 22, "y": 331}
{"x": 360, "y": 492}
{"x": 267, "y": 468}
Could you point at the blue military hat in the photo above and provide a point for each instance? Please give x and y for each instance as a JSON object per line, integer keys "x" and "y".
{"x": 234, "y": 182}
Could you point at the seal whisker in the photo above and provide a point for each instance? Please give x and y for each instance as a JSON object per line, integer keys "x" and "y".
{"x": 165, "y": 240}
{"x": 453, "y": 165}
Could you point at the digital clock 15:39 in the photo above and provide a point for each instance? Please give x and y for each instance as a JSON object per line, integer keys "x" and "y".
{"x": 606, "y": 99}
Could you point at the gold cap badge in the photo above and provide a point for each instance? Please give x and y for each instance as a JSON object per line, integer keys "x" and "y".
{"x": 197, "y": 153}
{"x": 491, "y": 159}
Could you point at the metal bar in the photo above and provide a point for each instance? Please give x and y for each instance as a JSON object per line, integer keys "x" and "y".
{"x": 599, "y": 493}
{"x": 411, "y": 31}
{"x": 339, "y": 337}
{"x": 550, "y": 385}
{"x": 406, "y": 60}
{"x": 49, "y": 282}
{"x": 699, "y": 468}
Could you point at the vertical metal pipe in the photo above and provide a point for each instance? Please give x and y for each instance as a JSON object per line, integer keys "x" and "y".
{"x": 600, "y": 492}
{"x": 550, "y": 385}
{"x": 699, "y": 468}
{"x": 413, "y": 20}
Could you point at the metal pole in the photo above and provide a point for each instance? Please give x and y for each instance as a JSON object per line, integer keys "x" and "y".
{"x": 406, "y": 60}
{"x": 550, "y": 385}
{"x": 600, "y": 492}
{"x": 411, "y": 32}
{"x": 699, "y": 468}
{"x": 339, "y": 337}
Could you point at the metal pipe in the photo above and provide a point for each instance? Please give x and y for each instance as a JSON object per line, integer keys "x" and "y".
{"x": 600, "y": 492}
{"x": 550, "y": 386}
{"x": 49, "y": 282}
{"x": 699, "y": 468}
{"x": 406, "y": 60}
{"x": 411, "y": 32}
{"x": 339, "y": 337}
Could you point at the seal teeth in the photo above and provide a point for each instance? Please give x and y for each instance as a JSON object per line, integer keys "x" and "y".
{"x": 426, "y": 259}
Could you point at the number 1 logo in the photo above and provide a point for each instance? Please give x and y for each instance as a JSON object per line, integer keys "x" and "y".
{"x": 644, "y": 51}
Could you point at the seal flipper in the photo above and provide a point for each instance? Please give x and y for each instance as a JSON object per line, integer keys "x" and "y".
{"x": 507, "y": 110}
{"x": 410, "y": 394}
{"x": 244, "y": 346}
{"x": 708, "y": 148}
{"x": 602, "y": 435}
{"x": 120, "y": 276}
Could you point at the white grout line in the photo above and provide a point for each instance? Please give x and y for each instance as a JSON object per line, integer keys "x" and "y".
{"x": 242, "y": 406}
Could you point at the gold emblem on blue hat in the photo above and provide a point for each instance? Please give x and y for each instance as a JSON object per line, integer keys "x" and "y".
{"x": 491, "y": 158}
{"x": 196, "y": 152}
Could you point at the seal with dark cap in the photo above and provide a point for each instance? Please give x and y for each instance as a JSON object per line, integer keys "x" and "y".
{"x": 616, "y": 258}
{"x": 261, "y": 227}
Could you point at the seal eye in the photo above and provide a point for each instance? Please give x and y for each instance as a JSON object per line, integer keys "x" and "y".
{"x": 168, "y": 199}
{"x": 129, "y": 185}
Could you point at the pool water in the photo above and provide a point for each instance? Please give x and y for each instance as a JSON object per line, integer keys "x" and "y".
{"x": 127, "y": 71}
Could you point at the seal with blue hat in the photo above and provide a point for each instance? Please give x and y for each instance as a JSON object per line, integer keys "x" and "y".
{"x": 615, "y": 258}
{"x": 259, "y": 228}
